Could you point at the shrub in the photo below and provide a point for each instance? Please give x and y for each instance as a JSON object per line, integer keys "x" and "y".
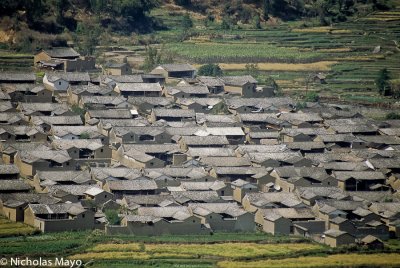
{"x": 311, "y": 97}
{"x": 382, "y": 82}
{"x": 112, "y": 217}
{"x": 392, "y": 115}
{"x": 210, "y": 70}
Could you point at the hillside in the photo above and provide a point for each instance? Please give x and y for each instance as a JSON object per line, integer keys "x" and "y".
{"x": 29, "y": 25}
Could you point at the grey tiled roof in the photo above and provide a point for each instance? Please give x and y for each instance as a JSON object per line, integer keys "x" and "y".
{"x": 61, "y": 52}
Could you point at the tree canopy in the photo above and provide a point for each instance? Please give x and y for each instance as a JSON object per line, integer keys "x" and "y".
{"x": 210, "y": 70}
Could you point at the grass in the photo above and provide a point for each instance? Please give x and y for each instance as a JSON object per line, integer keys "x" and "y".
{"x": 339, "y": 260}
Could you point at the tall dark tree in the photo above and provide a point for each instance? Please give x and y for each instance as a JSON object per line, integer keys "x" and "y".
{"x": 382, "y": 82}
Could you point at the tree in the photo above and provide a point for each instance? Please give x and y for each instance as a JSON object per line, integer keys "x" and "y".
{"x": 112, "y": 217}
{"x": 153, "y": 58}
{"x": 88, "y": 34}
{"x": 187, "y": 22}
{"x": 382, "y": 82}
{"x": 252, "y": 69}
{"x": 257, "y": 22}
{"x": 183, "y": 2}
{"x": 210, "y": 70}
{"x": 266, "y": 9}
{"x": 226, "y": 23}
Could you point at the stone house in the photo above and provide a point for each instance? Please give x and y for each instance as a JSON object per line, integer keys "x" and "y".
{"x": 139, "y": 186}
{"x": 227, "y": 217}
{"x": 240, "y": 188}
{"x": 27, "y": 93}
{"x": 214, "y": 84}
{"x": 59, "y": 82}
{"x": 143, "y": 135}
{"x": 8, "y": 172}
{"x": 244, "y": 86}
{"x": 280, "y": 220}
{"x": 113, "y": 68}
{"x": 12, "y": 205}
{"x": 29, "y": 162}
{"x": 175, "y": 70}
{"x": 63, "y": 58}
{"x": 335, "y": 238}
{"x": 187, "y": 91}
{"x": 11, "y": 134}
{"x": 76, "y": 92}
{"x": 17, "y": 78}
{"x": 139, "y": 89}
{"x": 172, "y": 115}
{"x": 359, "y": 180}
{"x": 83, "y": 148}
{"x": 59, "y": 217}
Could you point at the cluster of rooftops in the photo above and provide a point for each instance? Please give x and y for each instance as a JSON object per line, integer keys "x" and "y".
{"x": 193, "y": 154}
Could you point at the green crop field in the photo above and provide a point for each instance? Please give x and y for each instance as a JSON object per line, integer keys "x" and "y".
{"x": 96, "y": 249}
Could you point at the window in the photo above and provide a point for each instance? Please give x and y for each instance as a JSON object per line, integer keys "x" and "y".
{"x": 67, "y": 163}
{"x": 101, "y": 150}
{"x": 105, "y": 196}
{"x": 83, "y": 215}
{"x": 59, "y": 83}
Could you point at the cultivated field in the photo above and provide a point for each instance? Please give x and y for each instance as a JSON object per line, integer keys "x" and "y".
{"x": 9, "y": 228}
{"x": 290, "y": 52}
{"x": 218, "y": 250}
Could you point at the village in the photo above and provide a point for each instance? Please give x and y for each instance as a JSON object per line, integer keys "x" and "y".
{"x": 171, "y": 152}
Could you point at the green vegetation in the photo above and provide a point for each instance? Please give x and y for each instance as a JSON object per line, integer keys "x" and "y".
{"x": 84, "y": 135}
{"x": 210, "y": 70}
{"x": 112, "y": 217}
{"x": 220, "y": 108}
{"x": 240, "y": 52}
{"x": 382, "y": 82}
{"x": 222, "y": 249}
{"x": 392, "y": 115}
{"x": 311, "y": 97}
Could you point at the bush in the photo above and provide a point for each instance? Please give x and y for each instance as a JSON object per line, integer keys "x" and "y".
{"x": 311, "y": 97}
{"x": 392, "y": 115}
{"x": 210, "y": 70}
{"x": 112, "y": 217}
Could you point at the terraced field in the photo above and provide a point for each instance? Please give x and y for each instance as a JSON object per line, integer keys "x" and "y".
{"x": 219, "y": 250}
{"x": 291, "y": 53}
{"x": 15, "y": 61}
{"x": 9, "y": 228}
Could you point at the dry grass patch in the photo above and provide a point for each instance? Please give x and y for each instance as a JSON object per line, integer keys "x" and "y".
{"x": 292, "y": 67}
{"x": 116, "y": 247}
{"x": 341, "y": 260}
{"x": 111, "y": 256}
{"x": 232, "y": 250}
